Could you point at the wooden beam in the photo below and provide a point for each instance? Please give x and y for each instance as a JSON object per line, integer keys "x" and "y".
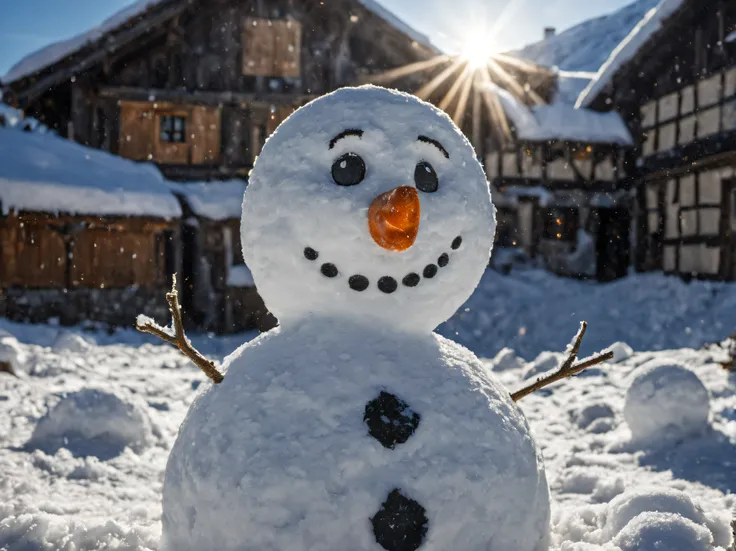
{"x": 201, "y": 97}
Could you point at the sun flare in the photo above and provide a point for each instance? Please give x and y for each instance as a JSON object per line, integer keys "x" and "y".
{"x": 477, "y": 50}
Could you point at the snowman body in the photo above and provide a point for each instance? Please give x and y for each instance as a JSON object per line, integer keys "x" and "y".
{"x": 283, "y": 457}
{"x": 367, "y": 222}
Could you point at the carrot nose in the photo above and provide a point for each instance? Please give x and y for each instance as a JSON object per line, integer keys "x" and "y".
{"x": 393, "y": 218}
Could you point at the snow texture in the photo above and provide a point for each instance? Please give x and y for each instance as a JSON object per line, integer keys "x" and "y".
{"x": 652, "y": 531}
{"x": 586, "y": 46}
{"x": 213, "y": 200}
{"x": 621, "y": 351}
{"x": 42, "y": 172}
{"x": 280, "y": 455}
{"x": 66, "y": 503}
{"x": 92, "y": 422}
{"x": 57, "y": 51}
{"x": 666, "y": 402}
{"x": 48, "y": 55}
{"x": 630, "y": 505}
{"x": 69, "y": 341}
{"x": 561, "y": 121}
{"x": 627, "y": 49}
{"x": 284, "y": 434}
{"x": 12, "y": 354}
{"x": 292, "y": 203}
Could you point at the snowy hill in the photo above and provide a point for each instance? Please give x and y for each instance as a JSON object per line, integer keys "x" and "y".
{"x": 587, "y": 45}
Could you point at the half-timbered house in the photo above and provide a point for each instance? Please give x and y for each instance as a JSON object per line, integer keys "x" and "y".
{"x": 560, "y": 188}
{"x": 674, "y": 81}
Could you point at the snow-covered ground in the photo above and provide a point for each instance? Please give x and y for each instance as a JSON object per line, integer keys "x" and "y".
{"x": 86, "y": 429}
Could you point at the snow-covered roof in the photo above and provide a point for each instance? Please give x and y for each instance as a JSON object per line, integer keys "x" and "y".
{"x": 628, "y": 48}
{"x": 561, "y": 121}
{"x": 586, "y": 46}
{"x": 213, "y": 200}
{"x": 57, "y": 51}
{"x": 391, "y": 19}
{"x": 48, "y": 55}
{"x": 42, "y": 172}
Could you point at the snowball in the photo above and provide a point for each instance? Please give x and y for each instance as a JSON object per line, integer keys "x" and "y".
{"x": 666, "y": 531}
{"x": 68, "y": 341}
{"x": 12, "y": 353}
{"x": 634, "y": 502}
{"x": 621, "y": 351}
{"x": 308, "y": 212}
{"x": 506, "y": 359}
{"x": 664, "y": 402}
{"x": 546, "y": 361}
{"x": 93, "y": 422}
{"x": 281, "y": 456}
{"x": 585, "y": 416}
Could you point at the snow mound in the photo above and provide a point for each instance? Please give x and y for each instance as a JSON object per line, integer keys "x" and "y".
{"x": 588, "y": 415}
{"x": 653, "y": 531}
{"x": 506, "y": 359}
{"x": 93, "y": 422}
{"x": 12, "y": 354}
{"x": 68, "y": 341}
{"x": 633, "y": 504}
{"x": 621, "y": 351}
{"x": 666, "y": 402}
{"x": 546, "y": 361}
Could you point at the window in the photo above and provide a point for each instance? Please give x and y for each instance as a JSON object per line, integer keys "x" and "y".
{"x": 173, "y": 129}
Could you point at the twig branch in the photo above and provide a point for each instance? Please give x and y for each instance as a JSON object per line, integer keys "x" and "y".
{"x": 568, "y": 367}
{"x": 178, "y": 338}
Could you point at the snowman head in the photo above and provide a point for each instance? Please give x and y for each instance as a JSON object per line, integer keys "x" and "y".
{"x": 367, "y": 205}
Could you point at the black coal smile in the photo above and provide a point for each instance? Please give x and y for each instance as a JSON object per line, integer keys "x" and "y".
{"x": 386, "y": 284}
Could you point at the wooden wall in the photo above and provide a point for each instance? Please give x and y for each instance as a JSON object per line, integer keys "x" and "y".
{"x": 44, "y": 252}
{"x": 140, "y": 133}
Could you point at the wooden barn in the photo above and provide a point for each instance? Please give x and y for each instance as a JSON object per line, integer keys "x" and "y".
{"x": 560, "y": 188}
{"x": 196, "y": 86}
{"x": 84, "y": 236}
{"x": 674, "y": 81}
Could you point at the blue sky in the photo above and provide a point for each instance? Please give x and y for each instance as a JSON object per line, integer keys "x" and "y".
{"x": 27, "y": 25}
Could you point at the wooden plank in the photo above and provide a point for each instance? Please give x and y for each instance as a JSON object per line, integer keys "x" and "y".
{"x": 202, "y": 97}
{"x": 136, "y": 131}
{"x": 206, "y": 135}
{"x": 287, "y": 48}
{"x": 259, "y": 47}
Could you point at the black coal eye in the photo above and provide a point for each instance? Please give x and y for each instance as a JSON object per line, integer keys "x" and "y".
{"x": 348, "y": 170}
{"x": 425, "y": 177}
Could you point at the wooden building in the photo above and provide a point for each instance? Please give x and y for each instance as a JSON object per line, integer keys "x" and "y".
{"x": 196, "y": 86}
{"x": 84, "y": 236}
{"x": 560, "y": 188}
{"x": 674, "y": 81}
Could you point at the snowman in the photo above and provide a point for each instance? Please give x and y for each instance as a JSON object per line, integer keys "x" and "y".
{"x": 352, "y": 426}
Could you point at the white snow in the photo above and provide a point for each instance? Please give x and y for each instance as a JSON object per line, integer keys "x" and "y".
{"x": 665, "y": 402}
{"x": 305, "y": 208}
{"x": 213, "y": 200}
{"x": 627, "y": 49}
{"x": 621, "y": 351}
{"x": 56, "y": 51}
{"x": 12, "y": 354}
{"x": 93, "y": 422}
{"x": 239, "y": 276}
{"x": 70, "y": 341}
{"x": 68, "y": 503}
{"x": 650, "y": 531}
{"x": 42, "y": 172}
{"x": 584, "y": 47}
{"x": 561, "y": 121}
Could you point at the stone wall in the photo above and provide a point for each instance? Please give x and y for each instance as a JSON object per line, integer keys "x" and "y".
{"x": 113, "y": 307}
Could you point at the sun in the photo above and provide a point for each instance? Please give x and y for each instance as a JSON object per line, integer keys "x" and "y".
{"x": 477, "y": 50}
